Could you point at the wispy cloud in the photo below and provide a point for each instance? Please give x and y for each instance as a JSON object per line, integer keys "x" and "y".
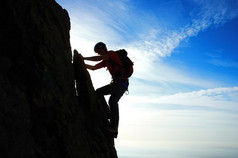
{"x": 224, "y": 63}
{"x": 224, "y": 98}
{"x": 209, "y": 14}
{"x": 217, "y": 58}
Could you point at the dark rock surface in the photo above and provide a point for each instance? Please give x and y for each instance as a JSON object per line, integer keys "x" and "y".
{"x": 42, "y": 115}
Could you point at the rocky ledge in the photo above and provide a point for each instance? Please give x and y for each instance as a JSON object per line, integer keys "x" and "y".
{"x": 48, "y": 107}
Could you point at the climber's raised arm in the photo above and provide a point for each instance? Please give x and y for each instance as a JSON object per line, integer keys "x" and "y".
{"x": 94, "y": 67}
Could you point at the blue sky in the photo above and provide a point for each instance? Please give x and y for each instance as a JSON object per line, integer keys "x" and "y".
{"x": 183, "y": 99}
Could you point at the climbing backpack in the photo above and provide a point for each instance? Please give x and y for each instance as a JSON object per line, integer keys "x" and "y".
{"x": 126, "y": 61}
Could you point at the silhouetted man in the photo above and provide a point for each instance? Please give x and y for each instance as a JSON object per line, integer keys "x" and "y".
{"x": 117, "y": 87}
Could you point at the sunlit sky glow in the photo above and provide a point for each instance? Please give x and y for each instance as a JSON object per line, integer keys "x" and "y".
{"x": 183, "y": 95}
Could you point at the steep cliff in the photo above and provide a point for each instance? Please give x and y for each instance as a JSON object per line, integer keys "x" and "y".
{"x": 42, "y": 113}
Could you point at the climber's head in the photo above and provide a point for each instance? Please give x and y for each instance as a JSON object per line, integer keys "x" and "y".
{"x": 100, "y": 48}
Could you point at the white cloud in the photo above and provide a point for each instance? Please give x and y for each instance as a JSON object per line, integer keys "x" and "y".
{"x": 218, "y": 98}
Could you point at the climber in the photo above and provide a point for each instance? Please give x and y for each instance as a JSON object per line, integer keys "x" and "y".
{"x": 118, "y": 85}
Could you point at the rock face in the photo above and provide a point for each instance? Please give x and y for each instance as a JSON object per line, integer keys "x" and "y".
{"x": 42, "y": 113}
